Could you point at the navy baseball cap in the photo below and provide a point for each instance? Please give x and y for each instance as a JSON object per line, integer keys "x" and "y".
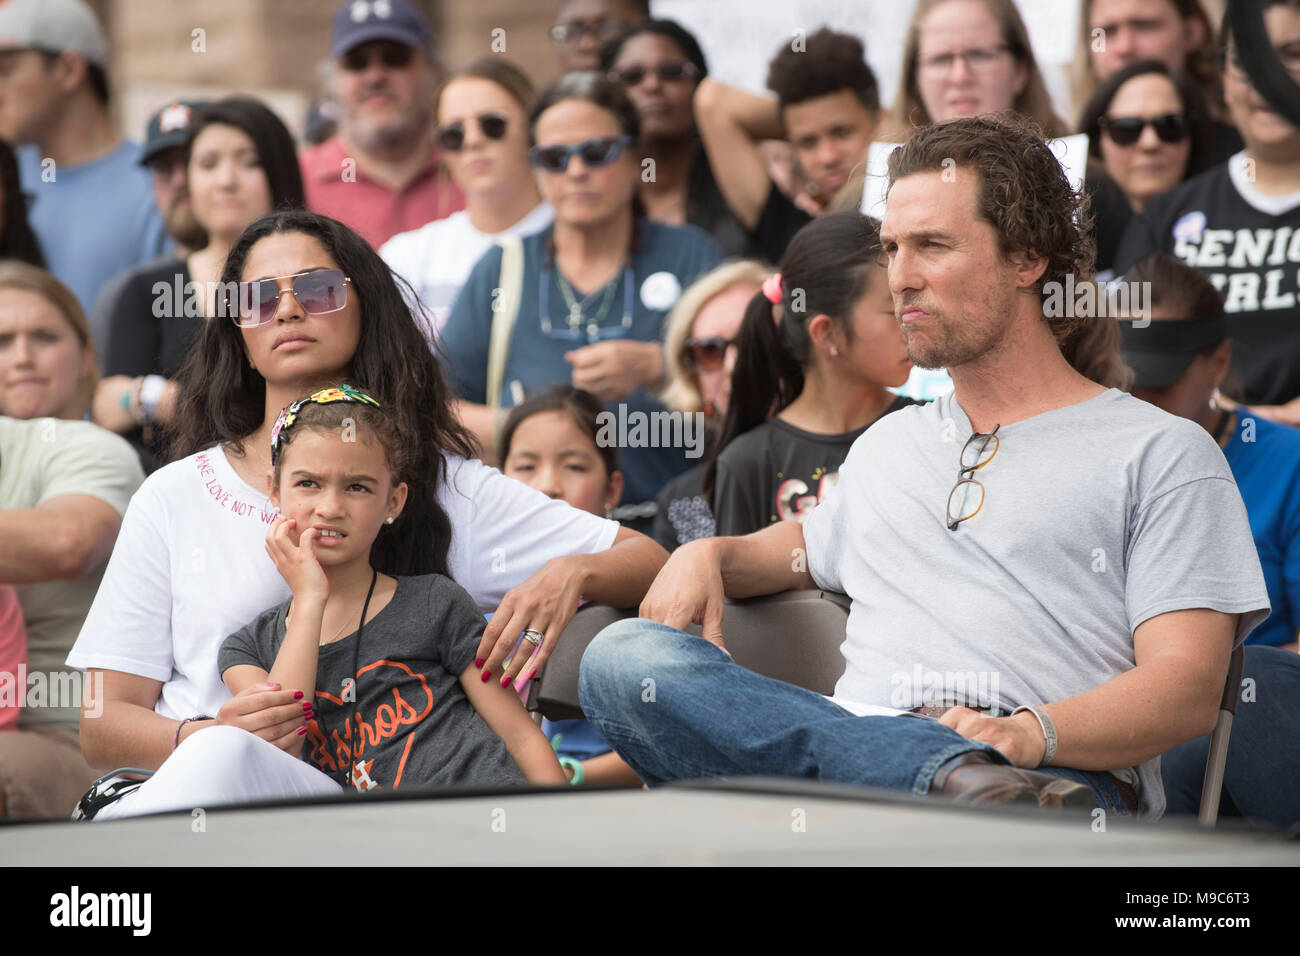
{"x": 169, "y": 127}
{"x": 361, "y": 21}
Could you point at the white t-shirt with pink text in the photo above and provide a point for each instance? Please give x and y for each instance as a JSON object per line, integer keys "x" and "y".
{"x": 190, "y": 566}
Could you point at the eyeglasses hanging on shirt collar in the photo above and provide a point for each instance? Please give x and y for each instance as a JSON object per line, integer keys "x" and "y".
{"x": 576, "y": 325}
{"x": 975, "y": 454}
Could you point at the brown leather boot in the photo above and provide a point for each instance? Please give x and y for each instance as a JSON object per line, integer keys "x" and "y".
{"x": 975, "y": 778}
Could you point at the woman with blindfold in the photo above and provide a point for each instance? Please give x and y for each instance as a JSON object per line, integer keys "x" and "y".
{"x": 482, "y": 116}
{"x": 241, "y": 164}
{"x": 1179, "y": 360}
{"x": 583, "y": 302}
{"x": 315, "y": 306}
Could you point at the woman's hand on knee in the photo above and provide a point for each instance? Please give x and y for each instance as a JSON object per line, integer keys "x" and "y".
{"x": 545, "y": 604}
{"x": 267, "y": 711}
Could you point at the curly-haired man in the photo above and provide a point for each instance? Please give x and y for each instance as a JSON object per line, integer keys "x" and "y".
{"x": 1056, "y": 571}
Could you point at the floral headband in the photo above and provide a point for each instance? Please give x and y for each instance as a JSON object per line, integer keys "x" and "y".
{"x": 289, "y": 414}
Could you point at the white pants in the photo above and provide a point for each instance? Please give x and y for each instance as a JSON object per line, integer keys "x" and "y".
{"x": 217, "y": 766}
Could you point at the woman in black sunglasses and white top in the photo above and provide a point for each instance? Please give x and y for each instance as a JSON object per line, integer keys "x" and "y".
{"x": 590, "y": 295}
{"x": 482, "y": 116}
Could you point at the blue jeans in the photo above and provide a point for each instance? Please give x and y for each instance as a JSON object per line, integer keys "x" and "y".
{"x": 675, "y": 707}
{"x": 1263, "y": 751}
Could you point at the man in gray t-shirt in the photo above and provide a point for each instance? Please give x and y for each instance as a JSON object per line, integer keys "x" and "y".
{"x": 1033, "y": 540}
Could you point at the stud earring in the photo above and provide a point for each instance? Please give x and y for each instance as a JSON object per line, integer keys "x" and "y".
{"x": 834, "y": 352}
{"x": 388, "y": 520}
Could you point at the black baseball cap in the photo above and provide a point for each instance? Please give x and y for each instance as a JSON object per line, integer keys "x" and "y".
{"x": 169, "y": 127}
{"x": 1159, "y": 352}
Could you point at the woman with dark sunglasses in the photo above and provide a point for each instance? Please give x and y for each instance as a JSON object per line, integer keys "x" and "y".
{"x": 190, "y": 566}
{"x": 659, "y": 64}
{"x": 589, "y": 294}
{"x": 1149, "y": 126}
{"x": 700, "y": 343}
{"x": 241, "y": 164}
{"x": 482, "y": 116}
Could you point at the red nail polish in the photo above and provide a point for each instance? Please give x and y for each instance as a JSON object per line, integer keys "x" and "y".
{"x": 505, "y": 681}
{"x": 478, "y": 662}
{"x": 301, "y": 731}
{"x": 306, "y": 707}
{"x": 486, "y": 675}
{"x": 297, "y": 695}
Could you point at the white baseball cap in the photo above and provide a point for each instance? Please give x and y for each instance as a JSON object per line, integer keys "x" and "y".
{"x": 53, "y": 25}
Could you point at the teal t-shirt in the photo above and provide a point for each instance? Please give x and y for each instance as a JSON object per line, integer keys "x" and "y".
{"x": 93, "y": 221}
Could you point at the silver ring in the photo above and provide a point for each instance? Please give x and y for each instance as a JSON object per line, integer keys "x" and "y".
{"x": 533, "y": 636}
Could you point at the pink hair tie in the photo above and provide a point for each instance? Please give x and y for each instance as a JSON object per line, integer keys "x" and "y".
{"x": 772, "y": 288}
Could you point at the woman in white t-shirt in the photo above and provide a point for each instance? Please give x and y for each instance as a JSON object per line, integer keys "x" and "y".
{"x": 190, "y": 567}
{"x": 482, "y": 112}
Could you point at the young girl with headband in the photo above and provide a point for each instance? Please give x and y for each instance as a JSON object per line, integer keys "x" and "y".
{"x": 396, "y": 699}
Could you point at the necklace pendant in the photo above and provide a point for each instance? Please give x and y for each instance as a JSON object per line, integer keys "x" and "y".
{"x": 575, "y": 315}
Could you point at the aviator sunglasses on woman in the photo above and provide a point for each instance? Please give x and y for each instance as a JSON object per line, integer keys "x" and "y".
{"x": 319, "y": 292}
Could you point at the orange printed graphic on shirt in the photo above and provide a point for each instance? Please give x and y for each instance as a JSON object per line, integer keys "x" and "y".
{"x": 411, "y": 702}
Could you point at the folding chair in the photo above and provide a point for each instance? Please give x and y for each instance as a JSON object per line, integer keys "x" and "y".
{"x": 794, "y": 636}
{"x": 1212, "y": 787}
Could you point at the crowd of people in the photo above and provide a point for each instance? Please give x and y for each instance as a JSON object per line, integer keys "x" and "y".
{"x": 310, "y": 453}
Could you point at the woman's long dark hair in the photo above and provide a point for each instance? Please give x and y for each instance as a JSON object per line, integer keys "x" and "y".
{"x": 276, "y": 152}
{"x": 824, "y": 271}
{"x": 17, "y": 241}
{"x": 222, "y": 399}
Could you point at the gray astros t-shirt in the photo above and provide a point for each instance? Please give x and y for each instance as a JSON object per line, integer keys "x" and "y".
{"x": 416, "y": 726}
{"x": 1096, "y": 517}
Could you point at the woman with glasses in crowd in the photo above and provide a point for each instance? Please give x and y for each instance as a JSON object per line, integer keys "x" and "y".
{"x": 482, "y": 116}
{"x": 968, "y": 58}
{"x": 1238, "y": 224}
{"x": 700, "y": 345}
{"x": 584, "y": 301}
{"x": 660, "y": 64}
{"x": 316, "y": 306}
{"x": 241, "y": 164}
{"x": 1149, "y": 128}
{"x": 582, "y": 27}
